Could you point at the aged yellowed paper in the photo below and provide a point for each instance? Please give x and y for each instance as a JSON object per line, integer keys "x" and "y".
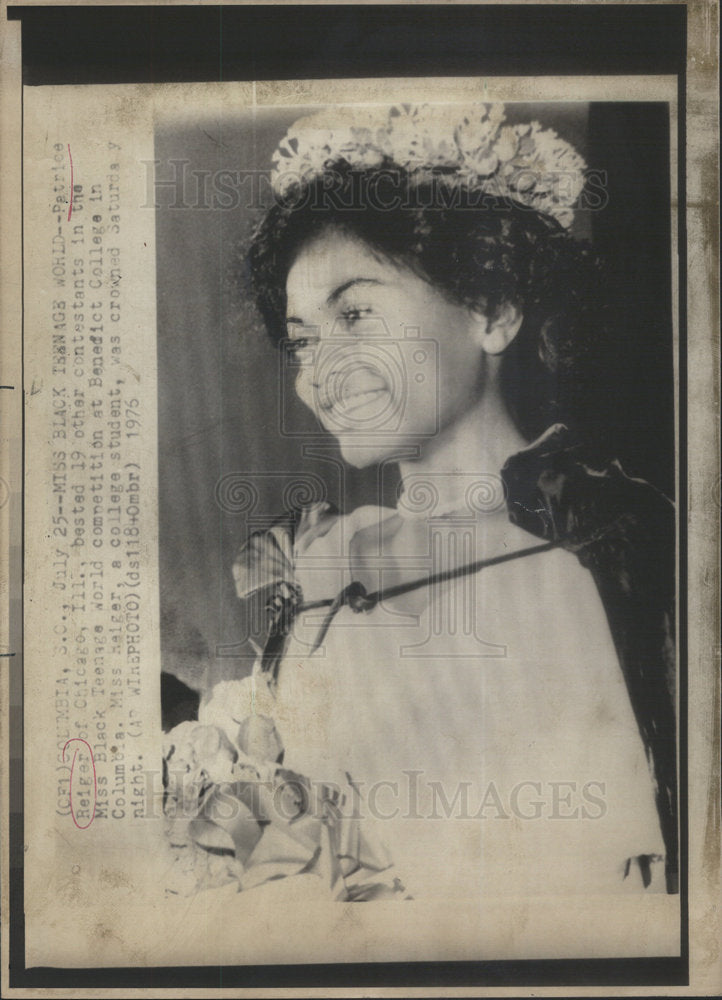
{"x": 120, "y": 265}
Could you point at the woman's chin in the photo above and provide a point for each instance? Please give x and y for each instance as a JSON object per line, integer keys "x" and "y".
{"x": 364, "y": 450}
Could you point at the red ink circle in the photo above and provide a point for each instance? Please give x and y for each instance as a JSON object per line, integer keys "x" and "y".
{"x": 78, "y": 739}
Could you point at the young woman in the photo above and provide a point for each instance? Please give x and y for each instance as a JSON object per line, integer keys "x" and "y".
{"x": 485, "y": 671}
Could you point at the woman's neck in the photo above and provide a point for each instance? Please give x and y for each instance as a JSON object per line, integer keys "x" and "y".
{"x": 477, "y": 444}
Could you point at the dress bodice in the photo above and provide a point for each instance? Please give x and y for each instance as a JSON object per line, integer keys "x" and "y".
{"x": 489, "y": 732}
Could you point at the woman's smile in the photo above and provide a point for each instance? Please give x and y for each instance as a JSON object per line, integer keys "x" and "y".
{"x": 352, "y": 402}
{"x": 384, "y": 359}
{"x": 350, "y": 389}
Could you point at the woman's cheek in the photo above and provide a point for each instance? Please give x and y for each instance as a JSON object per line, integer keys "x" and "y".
{"x": 305, "y": 389}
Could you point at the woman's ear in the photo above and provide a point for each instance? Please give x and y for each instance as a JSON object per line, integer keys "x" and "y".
{"x": 497, "y": 333}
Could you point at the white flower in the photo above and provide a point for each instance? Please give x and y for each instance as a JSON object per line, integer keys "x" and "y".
{"x": 507, "y": 144}
{"x": 196, "y": 755}
{"x": 405, "y": 140}
{"x": 526, "y": 162}
{"x": 244, "y": 710}
{"x": 190, "y": 870}
{"x": 549, "y": 167}
{"x": 422, "y": 137}
{"x": 484, "y": 162}
{"x": 233, "y": 701}
{"x": 476, "y": 136}
{"x": 313, "y": 143}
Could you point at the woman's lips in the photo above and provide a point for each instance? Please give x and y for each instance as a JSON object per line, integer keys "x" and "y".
{"x": 358, "y": 400}
{"x": 356, "y": 411}
{"x": 354, "y": 390}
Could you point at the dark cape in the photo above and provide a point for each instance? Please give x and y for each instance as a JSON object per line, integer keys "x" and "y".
{"x": 621, "y": 529}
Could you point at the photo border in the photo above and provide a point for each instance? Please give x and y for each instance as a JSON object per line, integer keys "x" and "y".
{"x": 89, "y": 29}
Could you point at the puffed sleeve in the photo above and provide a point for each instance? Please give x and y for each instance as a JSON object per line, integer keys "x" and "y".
{"x": 264, "y": 571}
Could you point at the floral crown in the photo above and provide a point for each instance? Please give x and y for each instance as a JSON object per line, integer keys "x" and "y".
{"x": 469, "y": 146}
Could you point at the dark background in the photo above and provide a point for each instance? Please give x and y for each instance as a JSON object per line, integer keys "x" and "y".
{"x": 68, "y": 45}
{"x": 150, "y": 43}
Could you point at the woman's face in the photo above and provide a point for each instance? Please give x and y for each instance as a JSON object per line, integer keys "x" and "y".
{"x": 381, "y": 357}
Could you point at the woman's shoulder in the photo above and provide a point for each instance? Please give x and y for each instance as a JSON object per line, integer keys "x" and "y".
{"x": 344, "y": 526}
{"x": 296, "y": 538}
{"x": 323, "y": 547}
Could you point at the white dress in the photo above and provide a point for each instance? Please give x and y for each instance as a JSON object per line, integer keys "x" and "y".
{"x": 490, "y": 735}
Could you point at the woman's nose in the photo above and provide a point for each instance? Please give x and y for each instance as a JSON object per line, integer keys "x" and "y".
{"x": 329, "y": 359}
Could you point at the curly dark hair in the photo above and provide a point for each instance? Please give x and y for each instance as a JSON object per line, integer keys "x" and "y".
{"x": 480, "y": 251}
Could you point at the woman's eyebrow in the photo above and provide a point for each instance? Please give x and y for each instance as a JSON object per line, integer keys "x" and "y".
{"x": 336, "y": 294}
{"x": 340, "y": 289}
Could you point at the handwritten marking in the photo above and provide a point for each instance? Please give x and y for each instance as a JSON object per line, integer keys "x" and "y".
{"x": 78, "y": 739}
{"x": 70, "y": 206}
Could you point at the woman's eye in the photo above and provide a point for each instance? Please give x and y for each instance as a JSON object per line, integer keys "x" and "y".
{"x": 297, "y": 344}
{"x": 354, "y": 314}
{"x": 300, "y": 349}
